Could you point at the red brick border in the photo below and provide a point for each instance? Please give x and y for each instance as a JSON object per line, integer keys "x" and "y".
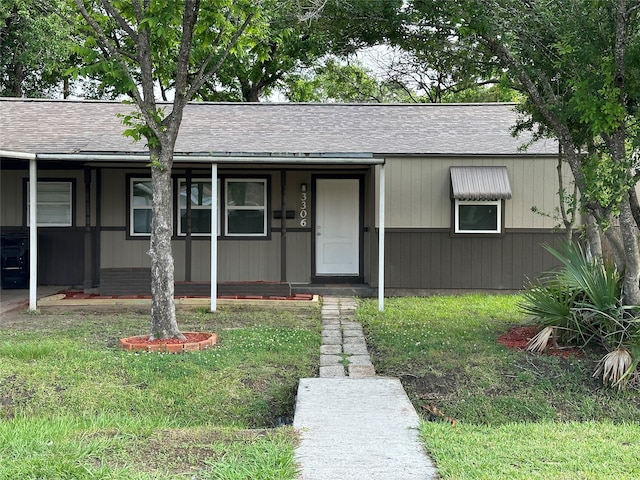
{"x": 127, "y": 344}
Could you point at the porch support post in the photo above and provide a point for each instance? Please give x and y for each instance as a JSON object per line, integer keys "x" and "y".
{"x": 381, "y": 199}
{"x": 33, "y": 234}
{"x": 214, "y": 236}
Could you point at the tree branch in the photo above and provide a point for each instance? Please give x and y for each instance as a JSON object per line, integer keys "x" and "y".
{"x": 119, "y": 20}
{"x": 203, "y": 75}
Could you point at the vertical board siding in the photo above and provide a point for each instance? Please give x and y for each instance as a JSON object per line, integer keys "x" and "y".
{"x": 434, "y": 260}
{"x": 11, "y": 198}
{"x": 60, "y": 256}
{"x": 114, "y": 198}
{"x": 298, "y": 257}
{"x": 242, "y": 260}
{"x": 201, "y": 261}
{"x": 418, "y": 191}
{"x": 258, "y": 260}
{"x": 118, "y": 252}
{"x": 238, "y": 260}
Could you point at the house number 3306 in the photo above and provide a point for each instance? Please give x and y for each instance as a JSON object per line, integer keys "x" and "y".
{"x": 303, "y": 209}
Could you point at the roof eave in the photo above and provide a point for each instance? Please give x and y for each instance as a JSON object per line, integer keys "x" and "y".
{"x": 331, "y": 158}
{"x": 17, "y": 155}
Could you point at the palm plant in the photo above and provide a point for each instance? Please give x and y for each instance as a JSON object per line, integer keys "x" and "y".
{"x": 581, "y": 305}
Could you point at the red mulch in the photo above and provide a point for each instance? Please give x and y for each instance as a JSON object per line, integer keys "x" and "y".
{"x": 191, "y": 338}
{"x": 72, "y": 294}
{"x": 518, "y": 337}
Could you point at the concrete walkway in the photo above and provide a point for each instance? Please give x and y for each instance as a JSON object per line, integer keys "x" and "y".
{"x": 354, "y": 425}
{"x": 12, "y": 299}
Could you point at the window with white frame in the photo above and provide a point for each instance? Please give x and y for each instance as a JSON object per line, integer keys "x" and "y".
{"x": 474, "y": 216}
{"x": 245, "y": 207}
{"x": 54, "y": 204}
{"x": 200, "y": 199}
{"x": 478, "y": 194}
{"x": 140, "y": 215}
{"x": 242, "y": 213}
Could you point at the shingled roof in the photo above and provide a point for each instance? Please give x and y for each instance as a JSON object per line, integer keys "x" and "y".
{"x": 68, "y": 126}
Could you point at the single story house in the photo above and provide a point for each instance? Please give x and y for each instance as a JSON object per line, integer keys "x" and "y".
{"x": 398, "y": 197}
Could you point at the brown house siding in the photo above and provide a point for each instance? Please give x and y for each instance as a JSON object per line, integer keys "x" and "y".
{"x": 432, "y": 259}
{"x": 60, "y": 256}
{"x": 137, "y": 281}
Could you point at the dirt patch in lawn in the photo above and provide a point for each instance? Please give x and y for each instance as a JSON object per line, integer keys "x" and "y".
{"x": 430, "y": 387}
{"x": 517, "y": 338}
{"x": 182, "y": 451}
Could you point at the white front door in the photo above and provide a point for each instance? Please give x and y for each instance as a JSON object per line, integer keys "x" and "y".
{"x": 337, "y": 233}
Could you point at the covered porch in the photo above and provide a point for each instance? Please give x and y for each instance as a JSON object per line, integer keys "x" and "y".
{"x": 287, "y": 194}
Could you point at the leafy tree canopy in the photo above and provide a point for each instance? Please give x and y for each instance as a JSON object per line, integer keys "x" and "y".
{"x": 335, "y": 81}
{"x": 289, "y": 44}
{"x": 576, "y": 62}
{"x": 35, "y": 49}
{"x": 134, "y": 48}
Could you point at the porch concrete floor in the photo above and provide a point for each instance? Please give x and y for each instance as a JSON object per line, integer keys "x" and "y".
{"x": 11, "y": 298}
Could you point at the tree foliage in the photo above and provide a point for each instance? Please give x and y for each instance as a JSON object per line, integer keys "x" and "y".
{"x": 576, "y": 62}
{"x": 35, "y": 49}
{"x": 336, "y": 81}
{"x": 437, "y": 63}
{"x": 134, "y": 48}
{"x": 288, "y": 45}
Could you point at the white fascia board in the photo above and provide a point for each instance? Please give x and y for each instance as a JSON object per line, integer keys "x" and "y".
{"x": 356, "y": 159}
{"x": 18, "y": 155}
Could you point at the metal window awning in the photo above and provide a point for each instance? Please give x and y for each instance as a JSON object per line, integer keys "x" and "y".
{"x": 480, "y": 183}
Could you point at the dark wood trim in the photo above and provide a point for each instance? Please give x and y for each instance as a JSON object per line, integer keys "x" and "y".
{"x": 88, "y": 256}
{"x": 292, "y": 230}
{"x": 447, "y": 230}
{"x": 97, "y": 245}
{"x": 355, "y": 280}
{"x": 187, "y": 238}
{"x": 283, "y": 225}
{"x": 120, "y": 229}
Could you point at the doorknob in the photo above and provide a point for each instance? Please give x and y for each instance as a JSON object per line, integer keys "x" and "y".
{"x": 318, "y": 231}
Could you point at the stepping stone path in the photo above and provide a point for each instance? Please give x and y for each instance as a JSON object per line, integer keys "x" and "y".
{"x": 354, "y": 425}
{"x": 343, "y": 352}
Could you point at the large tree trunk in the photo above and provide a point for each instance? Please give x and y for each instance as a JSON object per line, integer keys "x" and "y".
{"x": 594, "y": 241}
{"x": 630, "y": 285}
{"x": 163, "y": 308}
{"x": 614, "y": 237}
{"x": 18, "y": 80}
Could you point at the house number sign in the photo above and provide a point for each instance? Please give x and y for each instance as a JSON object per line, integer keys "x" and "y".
{"x": 303, "y": 206}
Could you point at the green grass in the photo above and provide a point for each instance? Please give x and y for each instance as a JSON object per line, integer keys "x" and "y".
{"x": 508, "y": 404}
{"x": 72, "y": 406}
{"x": 528, "y": 451}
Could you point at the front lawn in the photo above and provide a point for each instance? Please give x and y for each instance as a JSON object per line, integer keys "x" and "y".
{"x": 518, "y": 415}
{"x": 73, "y": 406}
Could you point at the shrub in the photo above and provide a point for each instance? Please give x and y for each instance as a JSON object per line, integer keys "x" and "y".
{"x": 581, "y": 305}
